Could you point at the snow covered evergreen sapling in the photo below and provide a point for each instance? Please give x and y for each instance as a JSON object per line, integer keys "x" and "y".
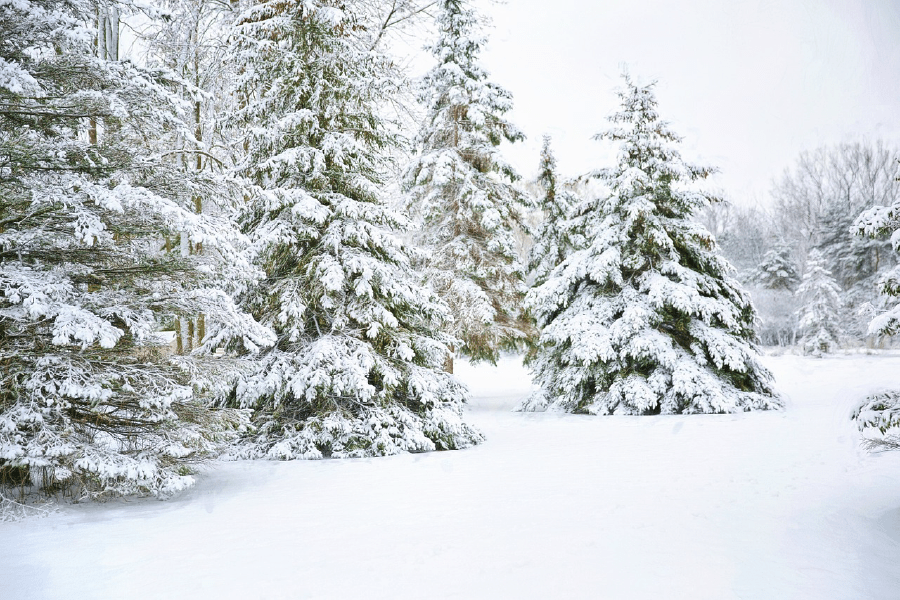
{"x": 646, "y": 318}
{"x": 820, "y": 304}
{"x": 88, "y": 402}
{"x": 356, "y": 370}
{"x": 777, "y": 270}
{"x": 460, "y": 190}
{"x": 553, "y": 239}
{"x": 776, "y": 277}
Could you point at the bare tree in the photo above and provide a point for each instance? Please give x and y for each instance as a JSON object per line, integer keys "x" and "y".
{"x": 816, "y": 201}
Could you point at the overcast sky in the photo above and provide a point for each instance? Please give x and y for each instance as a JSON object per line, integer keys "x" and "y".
{"x": 748, "y": 83}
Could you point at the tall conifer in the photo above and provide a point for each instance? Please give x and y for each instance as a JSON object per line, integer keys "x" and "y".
{"x": 357, "y": 369}
{"x": 646, "y": 318}
{"x": 89, "y": 402}
{"x": 460, "y": 190}
{"x": 820, "y": 306}
{"x": 554, "y": 238}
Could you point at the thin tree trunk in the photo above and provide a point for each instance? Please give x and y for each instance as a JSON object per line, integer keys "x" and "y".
{"x": 185, "y": 245}
{"x": 448, "y": 363}
{"x": 185, "y": 335}
{"x": 201, "y": 328}
{"x": 179, "y": 342}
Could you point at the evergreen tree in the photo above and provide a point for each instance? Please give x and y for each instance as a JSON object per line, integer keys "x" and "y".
{"x": 553, "y": 240}
{"x": 356, "y": 370}
{"x": 884, "y": 221}
{"x": 777, "y": 270}
{"x": 879, "y": 416}
{"x": 820, "y": 304}
{"x": 646, "y": 319}
{"x": 88, "y": 400}
{"x": 461, "y": 191}
{"x": 854, "y": 261}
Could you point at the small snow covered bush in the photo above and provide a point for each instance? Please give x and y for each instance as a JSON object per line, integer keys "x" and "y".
{"x": 878, "y": 418}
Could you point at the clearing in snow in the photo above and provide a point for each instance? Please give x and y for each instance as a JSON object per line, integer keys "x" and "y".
{"x": 779, "y": 504}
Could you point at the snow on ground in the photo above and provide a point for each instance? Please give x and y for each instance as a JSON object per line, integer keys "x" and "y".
{"x": 751, "y": 506}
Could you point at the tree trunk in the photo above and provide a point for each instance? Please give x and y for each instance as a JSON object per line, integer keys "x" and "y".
{"x": 179, "y": 342}
{"x": 106, "y": 46}
{"x": 201, "y": 328}
{"x": 186, "y": 333}
{"x": 448, "y": 363}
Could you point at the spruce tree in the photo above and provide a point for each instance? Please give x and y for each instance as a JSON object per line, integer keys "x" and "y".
{"x": 89, "y": 402}
{"x": 460, "y": 191}
{"x": 884, "y": 222}
{"x": 777, "y": 270}
{"x": 553, "y": 239}
{"x": 646, "y": 318}
{"x": 820, "y": 304}
{"x": 356, "y": 370}
{"x": 879, "y": 416}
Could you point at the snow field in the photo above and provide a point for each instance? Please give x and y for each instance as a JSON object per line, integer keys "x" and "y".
{"x": 764, "y": 505}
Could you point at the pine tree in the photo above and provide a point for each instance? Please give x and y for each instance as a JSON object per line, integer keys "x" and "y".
{"x": 884, "y": 221}
{"x": 820, "y": 304}
{"x": 777, "y": 270}
{"x": 88, "y": 400}
{"x": 553, "y": 240}
{"x": 356, "y": 370}
{"x": 460, "y": 189}
{"x": 879, "y": 416}
{"x": 646, "y": 319}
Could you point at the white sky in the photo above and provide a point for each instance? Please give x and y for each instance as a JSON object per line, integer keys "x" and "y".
{"x": 748, "y": 83}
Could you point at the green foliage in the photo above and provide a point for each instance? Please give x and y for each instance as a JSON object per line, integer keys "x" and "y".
{"x": 645, "y": 318}
{"x": 355, "y": 369}
{"x": 459, "y": 190}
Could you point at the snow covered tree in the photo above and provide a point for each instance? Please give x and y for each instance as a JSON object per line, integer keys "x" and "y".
{"x": 879, "y": 416}
{"x": 88, "y": 401}
{"x": 187, "y": 42}
{"x": 777, "y": 270}
{"x": 820, "y": 306}
{"x": 460, "y": 190}
{"x": 817, "y": 200}
{"x": 646, "y": 318}
{"x": 553, "y": 240}
{"x": 775, "y": 279}
{"x": 878, "y": 419}
{"x": 356, "y": 370}
{"x": 884, "y": 221}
